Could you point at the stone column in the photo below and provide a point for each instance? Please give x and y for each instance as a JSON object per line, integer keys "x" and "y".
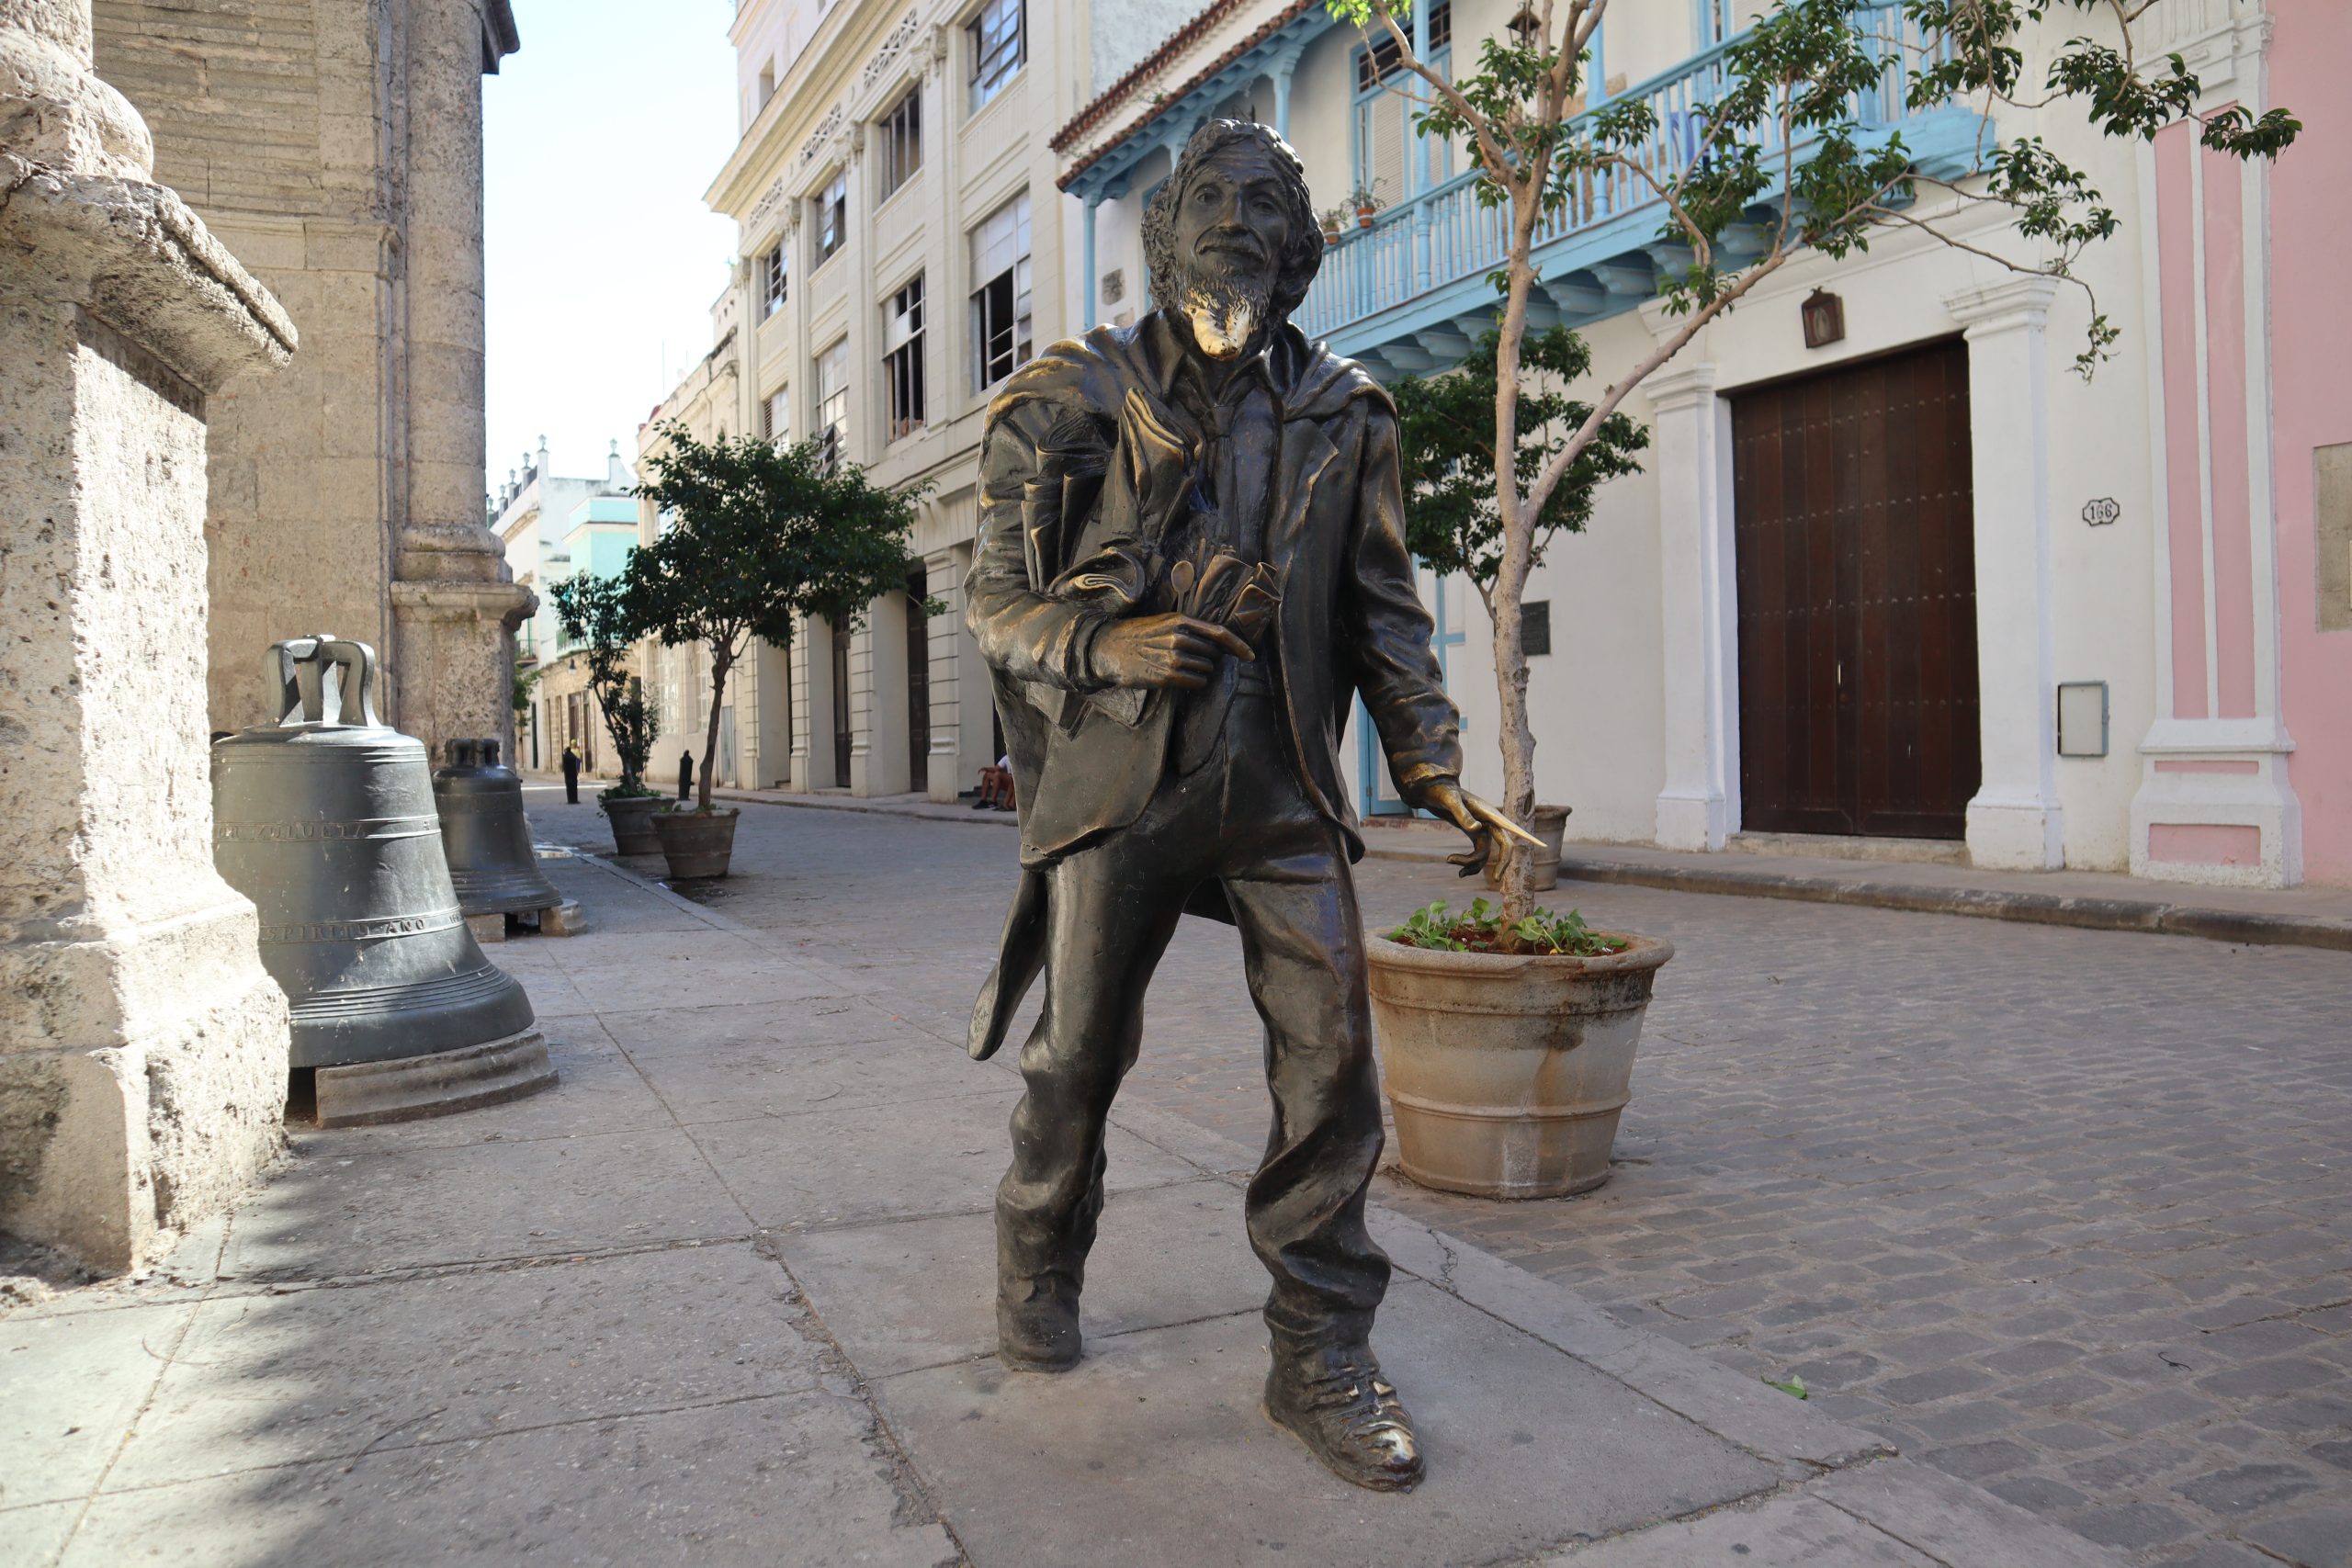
{"x": 1698, "y": 807}
{"x": 454, "y": 605}
{"x": 948, "y": 773}
{"x": 142, "y": 1048}
{"x": 2015, "y": 822}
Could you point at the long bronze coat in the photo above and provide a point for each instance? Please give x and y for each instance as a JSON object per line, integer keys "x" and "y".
{"x": 1084, "y": 458}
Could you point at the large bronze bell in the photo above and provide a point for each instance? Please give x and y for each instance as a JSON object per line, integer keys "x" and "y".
{"x": 325, "y": 821}
{"x": 484, "y": 834}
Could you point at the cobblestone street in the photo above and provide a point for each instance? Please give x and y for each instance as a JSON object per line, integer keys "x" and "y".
{"x": 2066, "y": 1213}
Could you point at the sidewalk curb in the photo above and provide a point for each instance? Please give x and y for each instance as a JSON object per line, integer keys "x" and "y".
{"x": 2154, "y": 916}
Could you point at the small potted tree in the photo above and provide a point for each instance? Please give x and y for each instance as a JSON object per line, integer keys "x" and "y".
{"x": 1489, "y": 1022}
{"x": 1445, "y": 430}
{"x": 765, "y": 536}
{"x": 592, "y": 614}
{"x": 1334, "y": 221}
{"x": 1366, "y": 201}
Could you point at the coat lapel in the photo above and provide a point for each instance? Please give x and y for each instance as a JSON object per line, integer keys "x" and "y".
{"x": 1307, "y": 452}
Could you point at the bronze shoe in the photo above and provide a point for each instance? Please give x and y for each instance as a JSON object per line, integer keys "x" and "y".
{"x": 1349, "y": 1416}
{"x": 1037, "y": 1326}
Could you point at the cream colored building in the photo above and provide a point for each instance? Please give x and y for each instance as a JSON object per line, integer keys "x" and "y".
{"x": 902, "y": 249}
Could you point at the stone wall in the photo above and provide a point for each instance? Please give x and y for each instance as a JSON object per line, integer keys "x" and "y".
{"x": 143, "y": 1049}
{"x": 336, "y": 146}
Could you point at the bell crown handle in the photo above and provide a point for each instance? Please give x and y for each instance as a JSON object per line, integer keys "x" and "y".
{"x": 323, "y": 679}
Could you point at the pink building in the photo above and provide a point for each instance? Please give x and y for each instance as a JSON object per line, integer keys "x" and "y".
{"x": 2310, "y": 436}
{"x": 2248, "y": 765}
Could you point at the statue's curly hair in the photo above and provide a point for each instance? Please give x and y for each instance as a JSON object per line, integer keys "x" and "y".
{"x": 1300, "y": 260}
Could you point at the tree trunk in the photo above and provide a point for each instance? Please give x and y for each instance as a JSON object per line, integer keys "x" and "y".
{"x": 1517, "y": 738}
{"x": 719, "y": 666}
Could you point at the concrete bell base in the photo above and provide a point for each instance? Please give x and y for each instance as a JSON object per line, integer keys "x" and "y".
{"x": 413, "y": 1088}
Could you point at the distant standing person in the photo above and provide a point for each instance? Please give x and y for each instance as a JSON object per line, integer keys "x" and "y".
{"x": 685, "y": 774}
{"x": 570, "y": 774}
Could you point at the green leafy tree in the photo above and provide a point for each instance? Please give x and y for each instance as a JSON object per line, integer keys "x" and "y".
{"x": 765, "y": 535}
{"x": 594, "y": 613}
{"x": 1445, "y": 427}
{"x": 1776, "y": 159}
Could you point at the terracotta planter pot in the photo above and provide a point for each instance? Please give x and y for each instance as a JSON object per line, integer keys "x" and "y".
{"x": 1364, "y": 215}
{"x": 1507, "y": 1074}
{"x": 1552, "y": 826}
{"x": 632, "y": 820}
{"x": 698, "y": 843}
{"x": 1331, "y": 236}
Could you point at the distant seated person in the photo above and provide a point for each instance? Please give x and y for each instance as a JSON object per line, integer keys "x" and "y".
{"x": 996, "y": 786}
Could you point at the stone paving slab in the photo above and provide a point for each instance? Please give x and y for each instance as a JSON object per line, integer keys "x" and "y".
{"x": 1153, "y": 1449}
{"x": 75, "y": 1383}
{"x": 914, "y": 1158}
{"x": 336, "y": 1214}
{"x": 31, "y": 1537}
{"x": 789, "y": 1481}
{"x": 336, "y": 1371}
{"x": 926, "y": 1290}
{"x": 1785, "y": 1531}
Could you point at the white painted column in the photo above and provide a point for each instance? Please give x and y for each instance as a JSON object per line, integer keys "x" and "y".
{"x": 2015, "y": 821}
{"x": 878, "y": 680}
{"x": 944, "y": 574}
{"x": 812, "y": 707}
{"x": 1698, "y": 807}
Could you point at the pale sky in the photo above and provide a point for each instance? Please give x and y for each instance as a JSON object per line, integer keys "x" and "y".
{"x": 600, "y": 138}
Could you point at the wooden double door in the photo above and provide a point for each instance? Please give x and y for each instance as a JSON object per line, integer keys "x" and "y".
{"x": 1854, "y": 539}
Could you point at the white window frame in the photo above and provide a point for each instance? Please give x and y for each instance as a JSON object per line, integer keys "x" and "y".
{"x": 775, "y": 280}
{"x": 832, "y": 395}
{"x": 902, "y": 367}
{"x": 1000, "y": 249}
{"x": 900, "y": 133}
{"x": 832, "y": 208}
{"x": 994, "y": 67}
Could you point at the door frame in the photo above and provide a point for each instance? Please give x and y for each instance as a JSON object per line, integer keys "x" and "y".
{"x": 2015, "y": 820}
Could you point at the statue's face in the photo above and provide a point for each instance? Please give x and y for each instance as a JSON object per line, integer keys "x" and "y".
{"x": 1233, "y": 225}
{"x": 1232, "y": 228}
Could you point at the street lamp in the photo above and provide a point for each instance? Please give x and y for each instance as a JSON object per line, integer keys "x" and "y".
{"x": 1526, "y": 24}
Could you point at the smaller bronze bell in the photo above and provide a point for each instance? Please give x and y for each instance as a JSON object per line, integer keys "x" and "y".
{"x": 485, "y": 835}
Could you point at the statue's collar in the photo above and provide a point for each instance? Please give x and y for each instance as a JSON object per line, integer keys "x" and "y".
{"x": 1281, "y": 364}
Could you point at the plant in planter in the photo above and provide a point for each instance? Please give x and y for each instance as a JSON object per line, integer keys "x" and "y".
{"x": 1334, "y": 221}
{"x": 766, "y": 534}
{"x": 1779, "y": 164}
{"x": 1366, "y": 202}
{"x": 594, "y": 613}
{"x": 1507, "y": 1046}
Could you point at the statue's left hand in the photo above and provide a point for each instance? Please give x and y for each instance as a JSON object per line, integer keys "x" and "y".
{"x": 1482, "y": 820}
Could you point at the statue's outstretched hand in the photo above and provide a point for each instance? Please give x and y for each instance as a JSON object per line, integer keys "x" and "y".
{"x": 1163, "y": 651}
{"x": 1482, "y": 820}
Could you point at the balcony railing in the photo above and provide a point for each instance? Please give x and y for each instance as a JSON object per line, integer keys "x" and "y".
{"x": 1445, "y": 235}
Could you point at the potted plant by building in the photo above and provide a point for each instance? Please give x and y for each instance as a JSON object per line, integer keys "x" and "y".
{"x": 1789, "y": 159}
{"x": 1334, "y": 221}
{"x": 1365, "y": 199}
{"x": 592, "y": 614}
{"x": 764, "y": 536}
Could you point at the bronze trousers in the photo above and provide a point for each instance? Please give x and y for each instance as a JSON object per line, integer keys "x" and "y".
{"x": 1242, "y": 821}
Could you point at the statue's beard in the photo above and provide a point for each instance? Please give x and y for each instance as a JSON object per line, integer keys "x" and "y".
{"x": 1225, "y": 312}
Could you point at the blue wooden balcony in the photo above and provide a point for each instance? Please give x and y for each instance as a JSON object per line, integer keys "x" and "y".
{"x": 1410, "y": 293}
